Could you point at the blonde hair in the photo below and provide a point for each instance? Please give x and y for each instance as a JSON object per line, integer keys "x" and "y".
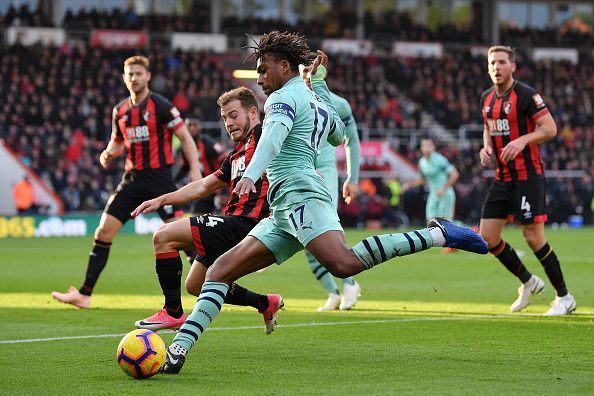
{"x": 138, "y": 60}
{"x": 245, "y": 95}
{"x": 503, "y": 48}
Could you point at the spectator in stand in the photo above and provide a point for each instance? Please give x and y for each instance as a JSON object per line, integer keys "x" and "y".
{"x": 23, "y": 195}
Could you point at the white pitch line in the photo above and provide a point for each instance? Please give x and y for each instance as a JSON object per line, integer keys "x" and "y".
{"x": 312, "y": 324}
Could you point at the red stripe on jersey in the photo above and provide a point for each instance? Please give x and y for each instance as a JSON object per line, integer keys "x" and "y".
{"x": 197, "y": 241}
{"x": 135, "y": 121}
{"x": 534, "y": 153}
{"x": 122, "y": 122}
{"x": 261, "y": 202}
{"x": 512, "y": 118}
{"x": 541, "y": 113}
{"x": 151, "y": 123}
{"x": 122, "y": 125}
{"x": 249, "y": 153}
{"x": 167, "y": 144}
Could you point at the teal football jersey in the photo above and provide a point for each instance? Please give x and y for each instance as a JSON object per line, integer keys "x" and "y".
{"x": 435, "y": 170}
{"x": 309, "y": 120}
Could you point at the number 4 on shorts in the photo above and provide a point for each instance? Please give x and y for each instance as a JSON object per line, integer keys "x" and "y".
{"x": 213, "y": 221}
{"x": 525, "y": 205}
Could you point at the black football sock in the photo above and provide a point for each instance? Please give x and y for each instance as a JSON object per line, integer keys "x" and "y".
{"x": 239, "y": 295}
{"x": 97, "y": 261}
{"x": 550, "y": 263}
{"x": 509, "y": 258}
{"x": 169, "y": 271}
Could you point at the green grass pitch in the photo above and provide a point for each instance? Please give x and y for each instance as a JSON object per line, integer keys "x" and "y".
{"x": 428, "y": 323}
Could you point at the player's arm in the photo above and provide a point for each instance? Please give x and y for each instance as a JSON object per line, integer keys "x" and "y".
{"x": 546, "y": 129}
{"x": 352, "y": 146}
{"x": 271, "y": 141}
{"x": 318, "y": 85}
{"x": 486, "y": 153}
{"x": 453, "y": 176}
{"x": 116, "y": 146}
{"x": 190, "y": 152}
{"x": 407, "y": 185}
{"x": 191, "y": 192}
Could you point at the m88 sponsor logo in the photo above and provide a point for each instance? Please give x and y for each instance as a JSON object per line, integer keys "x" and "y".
{"x": 498, "y": 127}
{"x": 139, "y": 133}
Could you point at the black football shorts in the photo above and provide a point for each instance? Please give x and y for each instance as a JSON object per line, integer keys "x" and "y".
{"x": 139, "y": 186}
{"x": 215, "y": 235}
{"x": 523, "y": 201}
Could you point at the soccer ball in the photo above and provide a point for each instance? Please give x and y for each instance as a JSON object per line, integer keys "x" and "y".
{"x": 141, "y": 353}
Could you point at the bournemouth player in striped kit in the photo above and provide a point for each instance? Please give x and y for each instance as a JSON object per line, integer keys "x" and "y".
{"x": 516, "y": 119}
{"x": 143, "y": 127}
{"x": 211, "y": 235}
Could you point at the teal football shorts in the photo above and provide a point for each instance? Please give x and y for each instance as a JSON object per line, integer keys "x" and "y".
{"x": 289, "y": 230}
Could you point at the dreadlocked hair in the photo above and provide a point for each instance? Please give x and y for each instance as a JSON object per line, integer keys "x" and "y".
{"x": 291, "y": 47}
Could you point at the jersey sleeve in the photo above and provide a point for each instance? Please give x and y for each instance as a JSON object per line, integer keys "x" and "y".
{"x": 116, "y": 134}
{"x": 535, "y": 106}
{"x": 352, "y": 144}
{"x": 224, "y": 171}
{"x": 445, "y": 164}
{"x": 273, "y": 135}
{"x": 169, "y": 114}
{"x": 280, "y": 108}
{"x": 482, "y": 108}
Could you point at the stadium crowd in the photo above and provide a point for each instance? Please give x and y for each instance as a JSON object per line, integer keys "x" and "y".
{"x": 57, "y": 107}
{"x": 383, "y": 26}
{"x": 57, "y": 104}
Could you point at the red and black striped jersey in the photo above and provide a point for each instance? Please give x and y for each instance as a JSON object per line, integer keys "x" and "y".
{"x": 252, "y": 205}
{"x": 146, "y": 130}
{"x": 507, "y": 118}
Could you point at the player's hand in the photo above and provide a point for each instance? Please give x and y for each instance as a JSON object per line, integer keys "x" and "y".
{"x": 440, "y": 192}
{"x": 105, "y": 159}
{"x": 486, "y": 156}
{"x": 194, "y": 175}
{"x": 404, "y": 187}
{"x": 147, "y": 207}
{"x": 321, "y": 59}
{"x": 244, "y": 186}
{"x": 349, "y": 192}
{"x": 512, "y": 149}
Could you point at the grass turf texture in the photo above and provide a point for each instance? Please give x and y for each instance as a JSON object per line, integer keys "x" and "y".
{"x": 428, "y": 323}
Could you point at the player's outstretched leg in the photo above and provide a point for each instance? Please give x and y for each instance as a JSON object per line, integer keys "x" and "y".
{"x": 207, "y": 308}
{"x": 168, "y": 266}
{"x": 247, "y": 257}
{"x": 267, "y": 305}
{"x": 439, "y": 232}
{"x": 167, "y": 241}
{"x": 458, "y": 237}
{"x": 104, "y": 234}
